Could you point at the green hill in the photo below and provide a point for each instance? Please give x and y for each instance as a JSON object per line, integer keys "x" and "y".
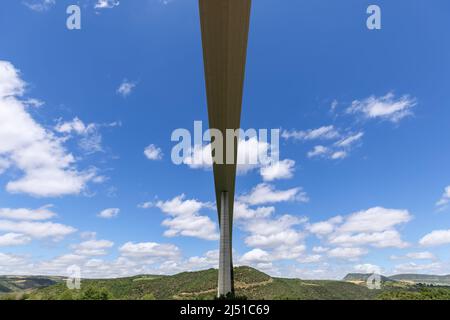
{"x": 249, "y": 283}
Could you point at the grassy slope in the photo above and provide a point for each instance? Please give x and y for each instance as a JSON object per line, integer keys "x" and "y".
{"x": 249, "y": 282}
{"x": 202, "y": 285}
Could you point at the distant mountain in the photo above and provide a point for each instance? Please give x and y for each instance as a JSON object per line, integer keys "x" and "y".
{"x": 9, "y": 284}
{"x": 362, "y": 277}
{"x": 409, "y": 278}
{"x": 423, "y": 278}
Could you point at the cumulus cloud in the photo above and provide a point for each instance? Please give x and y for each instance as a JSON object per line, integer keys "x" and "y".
{"x": 13, "y": 239}
{"x": 338, "y": 150}
{"x": 375, "y": 227}
{"x": 279, "y": 170}
{"x": 149, "y": 250}
{"x": 368, "y": 268}
{"x": 271, "y": 233}
{"x": 125, "y": 88}
{"x": 93, "y": 247}
{"x": 423, "y": 255}
{"x": 265, "y": 193}
{"x": 252, "y": 154}
{"x": 39, "y": 5}
{"x": 109, "y": 213}
{"x": 255, "y": 256}
{"x": 43, "y": 213}
{"x": 324, "y": 133}
{"x": 106, "y": 4}
{"x": 435, "y": 238}
{"x": 244, "y": 211}
{"x": 350, "y": 253}
{"x": 145, "y": 205}
{"x": 350, "y": 140}
{"x": 318, "y": 151}
{"x": 280, "y": 237}
{"x": 386, "y": 107}
{"x": 445, "y": 199}
{"x": 312, "y": 258}
{"x": 412, "y": 267}
{"x": 38, "y": 230}
{"x": 152, "y": 152}
{"x": 48, "y": 170}
{"x": 90, "y": 137}
{"x": 10, "y": 260}
{"x": 185, "y": 218}
{"x": 324, "y": 227}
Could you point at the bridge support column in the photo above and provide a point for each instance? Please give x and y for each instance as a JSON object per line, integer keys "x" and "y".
{"x": 225, "y": 253}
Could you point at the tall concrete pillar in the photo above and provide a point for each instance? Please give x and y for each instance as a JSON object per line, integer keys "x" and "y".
{"x": 225, "y": 257}
{"x": 225, "y": 26}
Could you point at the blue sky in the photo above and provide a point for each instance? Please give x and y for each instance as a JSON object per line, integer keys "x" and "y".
{"x": 363, "y": 183}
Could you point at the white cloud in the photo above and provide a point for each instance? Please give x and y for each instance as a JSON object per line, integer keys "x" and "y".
{"x": 367, "y": 268}
{"x": 435, "y": 238}
{"x": 90, "y": 138}
{"x": 13, "y": 239}
{"x": 10, "y": 260}
{"x": 76, "y": 125}
{"x": 125, "y": 88}
{"x": 388, "y": 238}
{"x": 106, "y": 4}
{"x": 338, "y": 155}
{"x": 27, "y": 214}
{"x": 266, "y": 193}
{"x": 445, "y": 199}
{"x": 243, "y": 211}
{"x": 255, "y": 256}
{"x": 339, "y": 150}
{"x": 374, "y": 219}
{"x": 324, "y": 133}
{"x": 185, "y": 219}
{"x": 374, "y": 227}
{"x": 252, "y": 154}
{"x": 279, "y": 170}
{"x": 318, "y": 151}
{"x": 37, "y": 230}
{"x": 145, "y": 205}
{"x": 386, "y": 107}
{"x": 274, "y": 233}
{"x": 320, "y": 249}
{"x": 209, "y": 260}
{"x": 152, "y": 152}
{"x": 324, "y": 227}
{"x": 149, "y": 250}
{"x": 93, "y": 247}
{"x": 412, "y": 267}
{"x": 39, "y": 5}
{"x": 346, "y": 253}
{"x": 48, "y": 169}
{"x": 349, "y": 140}
{"x": 313, "y": 258}
{"x": 424, "y": 255}
{"x": 109, "y": 213}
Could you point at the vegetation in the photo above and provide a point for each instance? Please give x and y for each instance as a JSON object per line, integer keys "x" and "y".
{"x": 417, "y": 292}
{"x": 249, "y": 284}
